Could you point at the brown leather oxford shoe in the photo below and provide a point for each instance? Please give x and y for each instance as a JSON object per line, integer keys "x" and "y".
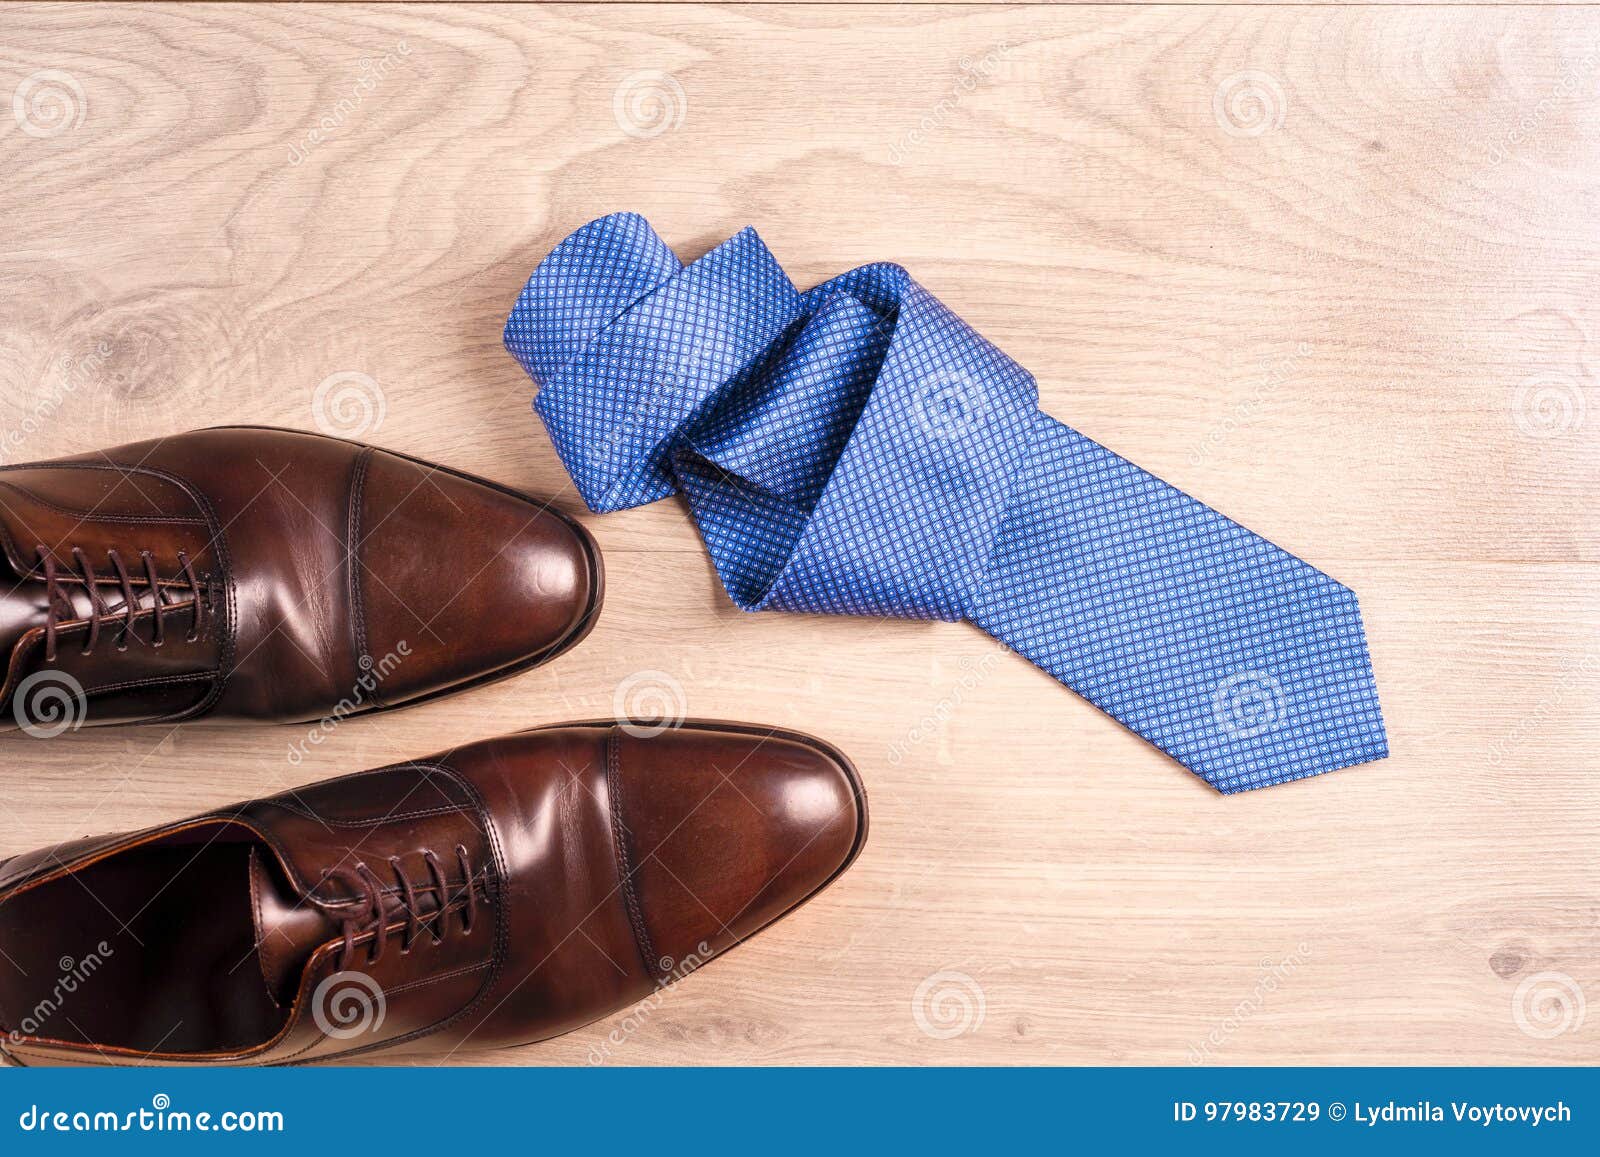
{"x": 501, "y": 893}
{"x": 253, "y": 573}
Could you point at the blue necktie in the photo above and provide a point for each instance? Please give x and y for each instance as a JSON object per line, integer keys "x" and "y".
{"x": 858, "y": 449}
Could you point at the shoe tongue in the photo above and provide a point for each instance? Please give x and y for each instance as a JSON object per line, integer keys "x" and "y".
{"x": 288, "y": 927}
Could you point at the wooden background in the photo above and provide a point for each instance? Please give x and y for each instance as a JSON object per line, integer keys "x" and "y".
{"x": 1331, "y": 269}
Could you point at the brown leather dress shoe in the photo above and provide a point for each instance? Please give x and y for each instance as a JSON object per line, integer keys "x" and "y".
{"x": 501, "y": 893}
{"x": 253, "y": 573}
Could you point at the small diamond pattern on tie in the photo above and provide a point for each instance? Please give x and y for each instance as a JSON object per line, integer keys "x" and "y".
{"x": 858, "y": 449}
{"x": 1241, "y": 661}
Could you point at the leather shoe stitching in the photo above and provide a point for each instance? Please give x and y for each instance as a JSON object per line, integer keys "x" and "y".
{"x": 619, "y": 832}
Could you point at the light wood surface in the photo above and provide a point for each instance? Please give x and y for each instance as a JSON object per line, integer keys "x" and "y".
{"x": 1368, "y": 331}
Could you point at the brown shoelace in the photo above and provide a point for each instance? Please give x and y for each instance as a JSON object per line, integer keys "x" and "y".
{"x": 60, "y": 609}
{"x": 367, "y": 913}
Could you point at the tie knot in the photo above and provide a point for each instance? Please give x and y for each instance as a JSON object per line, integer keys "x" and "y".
{"x": 849, "y": 450}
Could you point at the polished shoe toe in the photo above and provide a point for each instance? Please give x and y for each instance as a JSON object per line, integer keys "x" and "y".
{"x": 728, "y": 828}
{"x": 460, "y": 580}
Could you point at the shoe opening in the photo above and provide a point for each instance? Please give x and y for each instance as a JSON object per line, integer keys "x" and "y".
{"x": 152, "y": 948}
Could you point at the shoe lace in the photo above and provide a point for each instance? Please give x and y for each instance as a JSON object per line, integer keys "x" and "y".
{"x": 368, "y": 912}
{"x": 60, "y": 610}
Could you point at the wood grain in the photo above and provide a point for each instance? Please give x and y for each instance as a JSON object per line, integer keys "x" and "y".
{"x": 1367, "y": 331}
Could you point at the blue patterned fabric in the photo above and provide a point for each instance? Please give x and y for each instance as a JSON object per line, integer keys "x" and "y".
{"x": 858, "y": 449}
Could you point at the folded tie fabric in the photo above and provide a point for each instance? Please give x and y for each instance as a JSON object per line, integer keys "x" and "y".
{"x": 858, "y": 449}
